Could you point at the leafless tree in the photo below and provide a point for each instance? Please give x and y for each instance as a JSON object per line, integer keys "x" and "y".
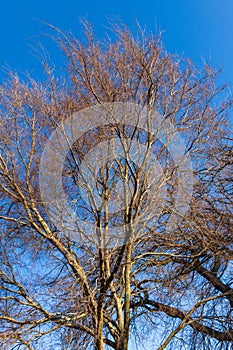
{"x": 132, "y": 265}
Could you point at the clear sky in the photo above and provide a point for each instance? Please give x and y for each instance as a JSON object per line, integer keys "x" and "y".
{"x": 197, "y": 28}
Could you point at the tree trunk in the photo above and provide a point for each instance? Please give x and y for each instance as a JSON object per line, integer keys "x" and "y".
{"x": 99, "y": 341}
{"x": 124, "y": 339}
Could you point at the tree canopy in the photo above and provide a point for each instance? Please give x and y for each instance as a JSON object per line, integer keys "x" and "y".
{"x": 116, "y": 200}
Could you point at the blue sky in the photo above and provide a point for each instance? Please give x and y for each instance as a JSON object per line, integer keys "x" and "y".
{"x": 197, "y": 28}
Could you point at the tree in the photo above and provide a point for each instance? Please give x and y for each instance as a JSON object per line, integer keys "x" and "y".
{"x": 116, "y": 201}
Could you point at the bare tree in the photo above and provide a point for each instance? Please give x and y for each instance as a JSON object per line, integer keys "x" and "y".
{"x": 124, "y": 232}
